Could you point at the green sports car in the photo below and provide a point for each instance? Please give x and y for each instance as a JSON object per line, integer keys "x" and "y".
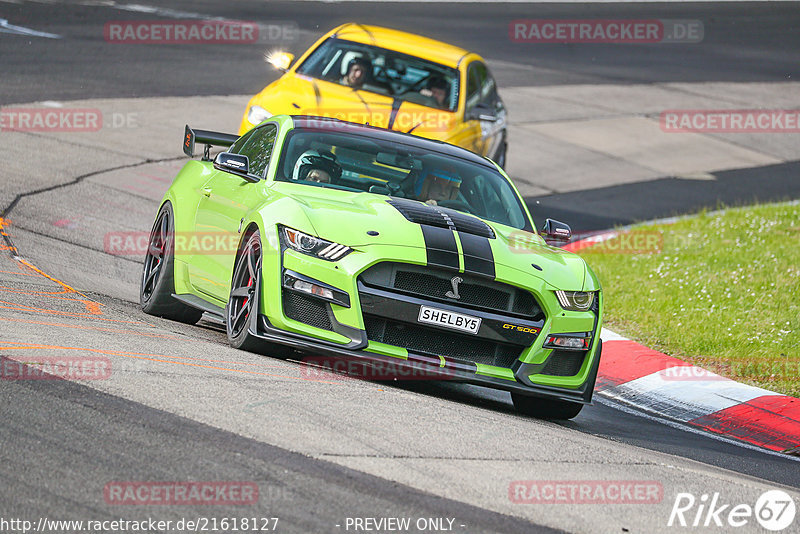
{"x": 361, "y": 244}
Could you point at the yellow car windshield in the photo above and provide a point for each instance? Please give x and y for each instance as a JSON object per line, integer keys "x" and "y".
{"x": 385, "y": 72}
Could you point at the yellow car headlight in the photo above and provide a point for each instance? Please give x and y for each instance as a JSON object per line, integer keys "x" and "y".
{"x": 257, "y": 115}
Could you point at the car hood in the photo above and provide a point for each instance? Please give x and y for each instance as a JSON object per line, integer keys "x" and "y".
{"x": 296, "y": 94}
{"x": 346, "y": 217}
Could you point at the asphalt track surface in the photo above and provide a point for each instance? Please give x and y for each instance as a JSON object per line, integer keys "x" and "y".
{"x": 743, "y": 42}
{"x": 322, "y": 452}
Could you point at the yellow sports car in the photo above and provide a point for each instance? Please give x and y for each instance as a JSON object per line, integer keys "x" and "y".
{"x": 393, "y": 80}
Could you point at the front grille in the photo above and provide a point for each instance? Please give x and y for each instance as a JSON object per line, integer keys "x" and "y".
{"x": 436, "y": 342}
{"x": 429, "y": 285}
{"x": 306, "y": 310}
{"x": 564, "y": 363}
{"x": 433, "y": 284}
{"x": 420, "y": 213}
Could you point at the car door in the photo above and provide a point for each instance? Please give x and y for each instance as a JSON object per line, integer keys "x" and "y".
{"x": 467, "y": 133}
{"x": 492, "y": 131}
{"x": 484, "y": 111}
{"x": 225, "y": 200}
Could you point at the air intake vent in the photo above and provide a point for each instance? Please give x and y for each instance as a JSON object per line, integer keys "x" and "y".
{"x": 420, "y": 213}
{"x": 436, "y": 342}
{"x": 306, "y": 310}
{"x": 564, "y": 363}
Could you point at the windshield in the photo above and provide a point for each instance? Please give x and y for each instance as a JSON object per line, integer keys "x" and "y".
{"x": 386, "y": 72}
{"x": 364, "y": 164}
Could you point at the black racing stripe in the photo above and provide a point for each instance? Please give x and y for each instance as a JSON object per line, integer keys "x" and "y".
{"x": 441, "y": 246}
{"x": 317, "y": 94}
{"x": 366, "y": 30}
{"x": 396, "y": 103}
{"x": 478, "y": 257}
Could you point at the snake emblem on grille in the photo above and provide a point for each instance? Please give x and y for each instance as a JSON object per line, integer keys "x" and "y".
{"x": 454, "y": 293}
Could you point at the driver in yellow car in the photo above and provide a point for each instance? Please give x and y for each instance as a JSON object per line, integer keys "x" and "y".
{"x": 438, "y": 89}
{"x": 357, "y": 71}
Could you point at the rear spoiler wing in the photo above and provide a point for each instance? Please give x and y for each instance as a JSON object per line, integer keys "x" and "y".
{"x": 207, "y": 138}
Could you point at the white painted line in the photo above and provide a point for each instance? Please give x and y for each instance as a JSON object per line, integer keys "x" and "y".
{"x": 684, "y": 399}
{"x": 612, "y": 403}
{"x": 265, "y": 28}
{"x": 6, "y": 27}
{"x": 163, "y": 12}
{"x": 608, "y": 335}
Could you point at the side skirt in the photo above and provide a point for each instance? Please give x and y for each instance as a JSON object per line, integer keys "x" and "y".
{"x": 215, "y": 313}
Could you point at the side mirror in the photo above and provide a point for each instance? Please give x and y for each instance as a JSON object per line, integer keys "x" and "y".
{"x": 556, "y": 231}
{"x": 235, "y": 164}
{"x": 281, "y": 60}
{"x": 481, "y": 112}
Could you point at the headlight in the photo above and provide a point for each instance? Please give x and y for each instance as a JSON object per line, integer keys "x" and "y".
{"x": 257, "y": 115}
{"x": 575, "y": 300}
{"x": 314, "y": 246}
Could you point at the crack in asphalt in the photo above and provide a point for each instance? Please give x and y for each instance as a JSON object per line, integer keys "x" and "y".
{"x": 10, "y": 207}
{"x": 79, "y": 245}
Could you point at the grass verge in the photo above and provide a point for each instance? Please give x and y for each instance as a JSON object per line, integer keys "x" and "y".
{"x": 721, "y": 290}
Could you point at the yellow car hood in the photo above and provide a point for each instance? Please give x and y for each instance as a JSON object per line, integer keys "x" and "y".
{"x": 301, "y": 95}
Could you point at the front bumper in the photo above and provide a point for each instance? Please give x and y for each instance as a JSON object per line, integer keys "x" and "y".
{"x": 432, "y": 368}
{"x": 344, "y": 333}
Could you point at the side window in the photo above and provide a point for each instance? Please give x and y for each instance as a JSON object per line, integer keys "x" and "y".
{"x": 473, "y": 85}
{"x": 489, "y": 90}
{"x": 237, "y": 146}
{"x": 258, "y": 148}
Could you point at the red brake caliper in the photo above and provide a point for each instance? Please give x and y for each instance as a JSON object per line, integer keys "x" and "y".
{"x": 249, "y": 284}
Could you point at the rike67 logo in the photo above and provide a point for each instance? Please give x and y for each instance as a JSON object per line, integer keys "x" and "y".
{"x": 774, "y": 510}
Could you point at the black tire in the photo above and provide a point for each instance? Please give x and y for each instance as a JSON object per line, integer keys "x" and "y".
{"x": 545, "y": 408}
{"x": 243, "y": 300}
{"x": 158, "y": 273}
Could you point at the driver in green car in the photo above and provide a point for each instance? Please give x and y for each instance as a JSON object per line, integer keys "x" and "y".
{"x": 314, "y": 166}
{"x": 437, "y": 184}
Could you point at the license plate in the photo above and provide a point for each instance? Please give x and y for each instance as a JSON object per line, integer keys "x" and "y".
{"x": 448, "y": 319}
